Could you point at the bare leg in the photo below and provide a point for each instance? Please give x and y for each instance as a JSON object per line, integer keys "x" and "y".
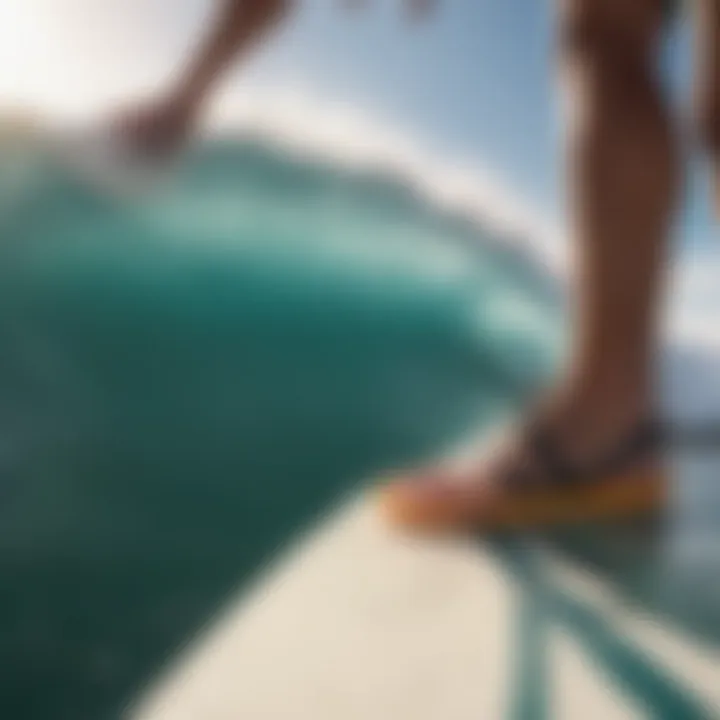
{"x": 708, "y": 85}
{"x": 622, "y": 172}
{"x": 623, "y": 179}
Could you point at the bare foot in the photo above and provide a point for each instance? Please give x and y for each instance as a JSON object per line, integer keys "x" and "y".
{"x": 568, "y": 465}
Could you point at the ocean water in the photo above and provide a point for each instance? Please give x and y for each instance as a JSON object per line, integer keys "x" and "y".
{"x": 190, "y": 376}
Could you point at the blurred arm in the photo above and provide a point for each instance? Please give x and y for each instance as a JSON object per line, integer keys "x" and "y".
{"x": 238, "y": 25}
{"x": 161, "y": 128}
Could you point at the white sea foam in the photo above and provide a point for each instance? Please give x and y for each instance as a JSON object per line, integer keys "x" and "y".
{"x": 349, "y": 136}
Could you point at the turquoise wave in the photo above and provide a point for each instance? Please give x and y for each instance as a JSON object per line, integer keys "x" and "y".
{"x": 189, "y": 378}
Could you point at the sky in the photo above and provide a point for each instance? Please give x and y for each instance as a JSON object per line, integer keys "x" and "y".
{"x": 475, "y": 86}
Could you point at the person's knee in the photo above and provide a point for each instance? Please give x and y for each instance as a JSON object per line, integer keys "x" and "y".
{"x": 707, "y": 84}
{"x": 609, "y": 33}
{"x": 268, "y": 9}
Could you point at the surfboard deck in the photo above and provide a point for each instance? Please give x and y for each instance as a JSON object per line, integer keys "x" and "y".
{"x": 361, "y": 622}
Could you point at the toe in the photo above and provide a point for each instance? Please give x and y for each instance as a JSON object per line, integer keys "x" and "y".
{"x": 434, "y": 499}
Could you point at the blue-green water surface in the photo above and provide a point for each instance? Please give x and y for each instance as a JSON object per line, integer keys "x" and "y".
{"x": 188, "y": 379}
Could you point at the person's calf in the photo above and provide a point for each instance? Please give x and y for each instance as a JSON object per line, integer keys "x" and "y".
{"x": 623, "y": 186}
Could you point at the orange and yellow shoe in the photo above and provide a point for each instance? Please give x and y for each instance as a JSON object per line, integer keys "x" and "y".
{"x": 544, "y": 493}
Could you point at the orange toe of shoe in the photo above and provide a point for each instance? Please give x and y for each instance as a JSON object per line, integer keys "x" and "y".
{"x": 429, "y": 506}
{"x": 433, "y": 507}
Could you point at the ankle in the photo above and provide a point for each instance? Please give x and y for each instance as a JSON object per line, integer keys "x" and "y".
{"x": 602, "y": 409}
{"x": 625, "y": 393}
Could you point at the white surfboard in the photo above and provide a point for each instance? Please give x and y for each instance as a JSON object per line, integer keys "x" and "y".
{"x": 361, "y": 623}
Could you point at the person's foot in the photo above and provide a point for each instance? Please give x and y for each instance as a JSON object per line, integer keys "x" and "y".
{"x": 573, "y": 462}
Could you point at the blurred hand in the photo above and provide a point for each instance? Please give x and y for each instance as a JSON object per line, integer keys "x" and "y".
{"x": 158, "y": 130}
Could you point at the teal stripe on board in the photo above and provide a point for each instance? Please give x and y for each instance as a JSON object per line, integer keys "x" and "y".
{"x": 628, "y": 669}
{"x": 531, "y": 682}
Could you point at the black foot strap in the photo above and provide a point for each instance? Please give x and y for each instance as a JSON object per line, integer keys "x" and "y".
{"x": 550, "y": 466}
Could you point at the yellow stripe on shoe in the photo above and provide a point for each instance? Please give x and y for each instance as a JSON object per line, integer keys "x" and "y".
{"x": 635, "y": 493}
